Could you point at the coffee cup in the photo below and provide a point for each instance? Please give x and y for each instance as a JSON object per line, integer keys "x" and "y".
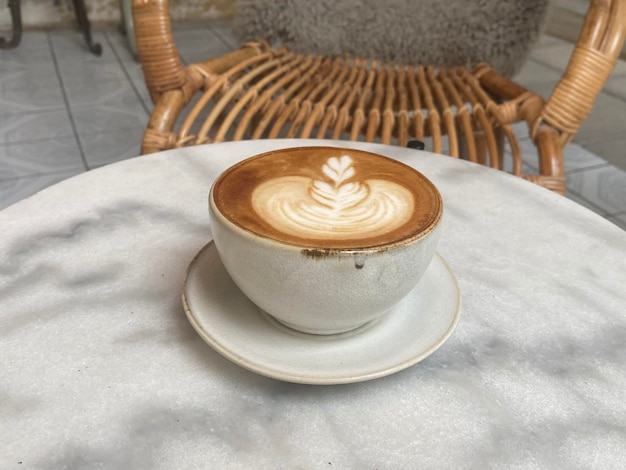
{"x": 324, "y": 239}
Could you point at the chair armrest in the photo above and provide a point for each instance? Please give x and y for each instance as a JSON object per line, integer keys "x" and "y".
{"x": 594, "y": 57}
{"x": 160, "y": 61}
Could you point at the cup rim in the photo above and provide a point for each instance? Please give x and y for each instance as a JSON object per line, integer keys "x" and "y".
{"x": 322, "y": 252}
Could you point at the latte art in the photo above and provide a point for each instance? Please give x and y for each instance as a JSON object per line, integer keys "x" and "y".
{"x": 328, "y": 199}
{"x": 338, "y": 205}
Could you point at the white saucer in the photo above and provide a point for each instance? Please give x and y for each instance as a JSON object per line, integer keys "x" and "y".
{"x": 236, "y": 328}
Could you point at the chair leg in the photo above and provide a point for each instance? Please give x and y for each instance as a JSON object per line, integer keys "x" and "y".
{"x": 83, "y": 24}
{"x": 482, "y": 148}
{"x": 500, "y": 144}
{"x": 16, "y": 21}
{"x": 551, "y": 170}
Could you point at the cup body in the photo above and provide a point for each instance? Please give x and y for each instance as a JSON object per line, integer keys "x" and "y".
{"x": 321, "y": 290}
{"x": 320, "y": 293}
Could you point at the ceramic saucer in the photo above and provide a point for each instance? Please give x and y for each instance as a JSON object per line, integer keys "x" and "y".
{"x": 235, "y": 327}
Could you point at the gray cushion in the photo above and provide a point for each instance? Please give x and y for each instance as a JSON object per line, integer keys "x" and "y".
{"x": 435, "y": 32}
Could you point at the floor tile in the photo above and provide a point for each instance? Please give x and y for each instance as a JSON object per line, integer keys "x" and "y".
{"x": 584, "y": 202}
{"x": 119, "y": 43}
{"x": 556, "y": 53}
{"x": 521, "y": 130}
{"x": 216, "y": 23}
{"x": 144, "y": 95}
{"x": 19, "y": 58}
{"x": 616, "y": 86}
{"x": 38, "y": 98}
{"x": 78, "y": 66}
{"x": 45, "y": 124}
{"x": 118, "y": 92}
{"x": 619, "y": 69}
{"x": 29, "y": 84}
{"x": 576, "y": 157}
{"x": 134, "y": 73}
{"x": 12, "y": 191}
{"x": 604, "y": 186}
{"x": 611, "y": 148}
{"x": 77, "y": 73}
{"x": 30, "y": 40}
{"x": 226, "y": 34}
{"x": 45, "y": 156}
{"x": 73, "y": 40}
{"x": 619, "y": 220}
{"x": 580, "y": 6}
{"x": 547, "y": 41}
{"x": 109, "y": 147}
{"x": 133, "y": 70}
{"x": 28, "y": 76}
{"x": 106, "y": 106}
{"x": 537, "y": 78}
{"x": 91, "y": 120}
{"x": 191, "y": 36}
{"x": 536, "y": 73}
{"x": 556, "y": 56}
{"x": 199, "y": 48}
{"x": 606, "y": 119}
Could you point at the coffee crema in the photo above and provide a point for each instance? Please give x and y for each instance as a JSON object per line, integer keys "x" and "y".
{"x": 331, "y": 198}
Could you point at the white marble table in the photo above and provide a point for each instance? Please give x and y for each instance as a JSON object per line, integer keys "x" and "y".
{"x": 99, "y": 367}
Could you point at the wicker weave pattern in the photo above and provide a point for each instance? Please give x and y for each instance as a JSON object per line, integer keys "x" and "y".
{"x": 591, "y": 64}
{"x": 160, "y": 61}
{"x": 260, "y": 92}
{"x": 280, "y": 94}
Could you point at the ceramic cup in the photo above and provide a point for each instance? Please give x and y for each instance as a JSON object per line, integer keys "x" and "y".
{"x": 324, "y": 239}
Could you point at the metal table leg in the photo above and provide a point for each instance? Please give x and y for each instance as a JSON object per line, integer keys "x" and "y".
{"x": 127, "y": 26}
{"x": 16, "y": 21}
{"x": 85, "y": 27}
{"x": 81, "y": 18}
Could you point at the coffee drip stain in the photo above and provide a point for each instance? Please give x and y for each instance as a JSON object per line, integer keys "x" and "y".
{"x": 325, "y": 253}
{"x": 320, "y": 253}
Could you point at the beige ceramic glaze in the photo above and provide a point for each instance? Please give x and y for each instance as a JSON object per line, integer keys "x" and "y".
{"x": 325, "y": 239}
{"x": 233, "y": 326}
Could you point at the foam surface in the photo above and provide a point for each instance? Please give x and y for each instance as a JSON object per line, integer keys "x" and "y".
{"x": 328, "y": 197}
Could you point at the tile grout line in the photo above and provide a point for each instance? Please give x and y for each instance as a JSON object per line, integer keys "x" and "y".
{"x": 595, "y": 166}
{"x": 35, "y": 140}
{"x": 67, "y": 103}
{"x": 596, "y": 208}
{"x": 30, "y": 111}
{"x": 616, "y": 214}
{"x": 222, "y": 39}
{"x": 598, "y": 138}
{"x": 127, "y": 75}
{"x": 37, "y": 175}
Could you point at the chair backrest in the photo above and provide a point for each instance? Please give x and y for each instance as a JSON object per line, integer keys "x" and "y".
{"x": 433, "y": 32}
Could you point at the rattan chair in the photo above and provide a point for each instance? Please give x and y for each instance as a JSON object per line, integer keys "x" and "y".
{"x": 263, "y": 92}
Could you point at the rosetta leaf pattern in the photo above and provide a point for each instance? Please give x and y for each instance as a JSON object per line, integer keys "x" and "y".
{"x": 338, "y": 169}
{"x": 339, "y": 193}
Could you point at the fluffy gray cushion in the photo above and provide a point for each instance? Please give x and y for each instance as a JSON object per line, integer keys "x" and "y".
{"x": 437, "y": 32}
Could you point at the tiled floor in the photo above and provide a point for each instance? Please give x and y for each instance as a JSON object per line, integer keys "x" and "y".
{"x": 64, "y": 111}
